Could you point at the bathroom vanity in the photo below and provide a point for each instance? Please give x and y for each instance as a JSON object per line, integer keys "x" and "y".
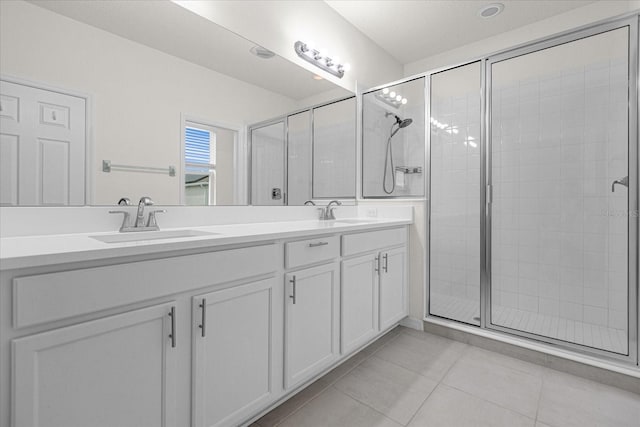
{"x": 205, "y": 330}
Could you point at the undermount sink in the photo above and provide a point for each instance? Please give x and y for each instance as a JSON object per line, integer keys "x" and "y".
{"x": 150, "y": 235}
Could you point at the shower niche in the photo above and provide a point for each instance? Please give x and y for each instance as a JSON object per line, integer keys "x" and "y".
{"x": 393, "y": 140}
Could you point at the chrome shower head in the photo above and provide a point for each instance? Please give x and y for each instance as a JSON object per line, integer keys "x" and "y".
{"x": 401, "y": 123}
{"x": 404, "y": 123}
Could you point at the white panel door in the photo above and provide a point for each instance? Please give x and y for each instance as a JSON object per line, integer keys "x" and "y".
{"x": 233, "y": 353}
{"x": 311, "y": 322}
{"x": 268, "y": 165}
{"x": 116, "y": 371}
{"x": 393, "y": 283}
{"x": 359, "y": 290}
{"x": 42, "y": 143}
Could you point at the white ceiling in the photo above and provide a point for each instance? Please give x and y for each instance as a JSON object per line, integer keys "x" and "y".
{"x": 174, "y": 30}
{"x": 412, "y": 30}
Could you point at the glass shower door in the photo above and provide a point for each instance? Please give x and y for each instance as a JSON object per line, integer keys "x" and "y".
{"x": 563, "y": 176}
{"x": 454, "y": 252}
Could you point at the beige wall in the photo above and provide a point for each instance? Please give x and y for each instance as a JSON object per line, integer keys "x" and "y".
{"x": 138, "y": 95}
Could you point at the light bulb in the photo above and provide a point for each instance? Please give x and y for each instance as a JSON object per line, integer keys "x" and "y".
{"x": 392, "y": 95}
{"x": 399, "y": 98}
{"x": 385, "y": 91}
{"x": 404, "y": 101}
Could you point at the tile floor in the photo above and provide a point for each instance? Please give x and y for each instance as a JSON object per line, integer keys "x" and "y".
{"x": 411, "y": 378}
{"x": 597, "y": 336}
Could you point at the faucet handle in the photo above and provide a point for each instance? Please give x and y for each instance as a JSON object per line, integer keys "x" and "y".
{"x": 322, "y": 212}
{"x": 151, "y": 221}
{"x": 125, "y": 220}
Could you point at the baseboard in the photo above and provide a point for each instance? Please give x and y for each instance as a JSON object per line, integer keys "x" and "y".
{"x": 412, "y": 323}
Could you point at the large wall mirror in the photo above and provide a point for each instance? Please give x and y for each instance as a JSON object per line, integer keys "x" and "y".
{"x": 104, "y": 100}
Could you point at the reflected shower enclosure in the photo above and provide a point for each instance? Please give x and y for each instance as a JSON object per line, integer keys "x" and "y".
{"x": 394, "y": 140}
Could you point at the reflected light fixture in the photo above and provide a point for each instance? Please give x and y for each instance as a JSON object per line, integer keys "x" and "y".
{"x": 320, "y": 59}
{"x": 390, "y": 98}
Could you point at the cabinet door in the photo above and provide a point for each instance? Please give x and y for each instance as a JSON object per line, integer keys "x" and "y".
{"x": 233, "y": 359}
{"x": 393, "y": 301}
{"x": 311, "y": 322}
{"x": 359, "y": 291}
{"x": 116, "y": 371}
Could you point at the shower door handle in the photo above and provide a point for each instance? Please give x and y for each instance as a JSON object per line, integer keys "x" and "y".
{"x": 622, "y": 181}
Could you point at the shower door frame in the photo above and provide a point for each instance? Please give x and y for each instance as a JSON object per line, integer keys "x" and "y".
{"x": 633, "y": 196}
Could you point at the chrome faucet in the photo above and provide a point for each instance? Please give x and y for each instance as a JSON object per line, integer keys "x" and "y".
{"x": 327, "y": 213}
{"x": 144, "y": 201}
{"x": 309, "y": 203}
{"x": 139, "y": 224}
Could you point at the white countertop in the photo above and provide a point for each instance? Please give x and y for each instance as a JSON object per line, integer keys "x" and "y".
{"x": 34, "y": 251}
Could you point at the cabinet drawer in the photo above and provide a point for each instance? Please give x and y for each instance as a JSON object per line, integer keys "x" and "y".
{"x": 55, "y": 296}
{"x": 311, "y": 251}
{"x": 373, "y": 240}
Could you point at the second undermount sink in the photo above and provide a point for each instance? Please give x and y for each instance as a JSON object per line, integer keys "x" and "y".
{"x": 150, "y": 235}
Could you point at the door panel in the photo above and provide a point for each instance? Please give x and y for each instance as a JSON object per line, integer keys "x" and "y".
{"x": 560, "y": 225}
{"x": 268, "y": 165}
{"x": 50, "y": 132}
{"x": 67, "y": 377}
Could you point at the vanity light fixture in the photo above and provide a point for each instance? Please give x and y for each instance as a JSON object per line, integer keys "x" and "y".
{"x": 391, "y": 98}
{"x": 320, "y": 59}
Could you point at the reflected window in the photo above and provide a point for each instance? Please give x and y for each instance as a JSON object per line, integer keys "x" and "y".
{"x": 200, "y": 164}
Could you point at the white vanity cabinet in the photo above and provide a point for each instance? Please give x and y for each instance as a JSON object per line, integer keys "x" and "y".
{"x": 116, "y": 371}
{"x": 393, "y": 284}
{"x": 234, "y": 352}
{"x": 312, "y": 301}
{"x": 373, "y": 285}
{"x": 207, "y": 337}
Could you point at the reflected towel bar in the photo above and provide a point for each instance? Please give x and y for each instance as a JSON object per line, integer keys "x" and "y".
{"x": 107, "y": 166}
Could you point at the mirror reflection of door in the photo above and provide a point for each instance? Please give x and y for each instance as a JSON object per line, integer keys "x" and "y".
{"x": 42, "y": 146}
{"x": 209, "y": 164}
{"x": 268, "y": 165}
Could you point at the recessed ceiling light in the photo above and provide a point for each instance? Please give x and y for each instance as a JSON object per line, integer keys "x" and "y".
{"x": 317, "y": 77}
{"x": 261, "y": 52}
{"x": 490, "y": 10}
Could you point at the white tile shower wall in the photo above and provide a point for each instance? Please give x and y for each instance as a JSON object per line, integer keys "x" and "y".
{"x": 559, "y": 233}
{"x": 455, "y": 203}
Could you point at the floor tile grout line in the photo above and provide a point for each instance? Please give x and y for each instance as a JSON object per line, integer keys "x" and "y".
{"x": 540, "y": 396}
{"x": 303, "y": 405}
{"x": 488, "y": 401}
{"x": 369, "y": 406}
{"x": 330, "y": 385}
{"x": 422, "y": 404}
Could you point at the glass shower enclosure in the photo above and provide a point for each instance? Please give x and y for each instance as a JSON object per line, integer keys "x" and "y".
{"x": 533, "y": 191}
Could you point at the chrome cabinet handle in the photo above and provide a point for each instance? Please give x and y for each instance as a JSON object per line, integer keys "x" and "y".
{"x": 172, "y": 335}
{"x": 315, "y": 245}
{"x": 385, "y": 257}
{"x": 622, "y": 181}
{"x": 376, "y": 266}
{"x": 203, "y": 306}
{"x": 293, "y": 283}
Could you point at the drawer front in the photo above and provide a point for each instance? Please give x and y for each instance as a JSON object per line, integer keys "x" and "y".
{"x": 311, "y": 251}
{"x": 55, "y": 296}
{"x": 373, "y": 240}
